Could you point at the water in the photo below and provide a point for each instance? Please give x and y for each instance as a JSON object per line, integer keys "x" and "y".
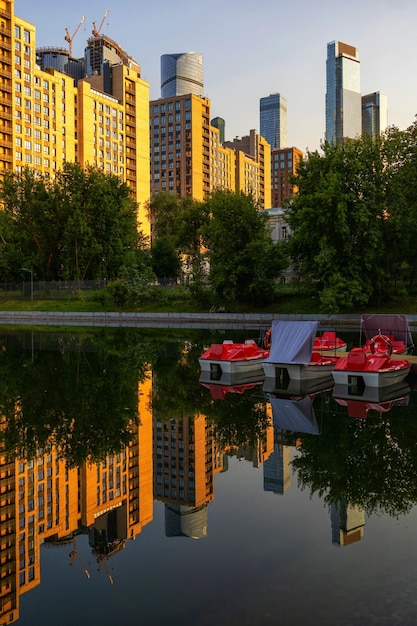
{"x": 291, "y": 528}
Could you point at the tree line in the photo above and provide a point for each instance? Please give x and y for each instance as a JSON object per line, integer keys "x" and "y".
{"x": 354, "y": 220}
{"x": 353, "y": 227}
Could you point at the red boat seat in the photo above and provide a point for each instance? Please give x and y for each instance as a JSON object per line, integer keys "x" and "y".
{"x": 216, "y": 349}
{"x": 356, "y": 359}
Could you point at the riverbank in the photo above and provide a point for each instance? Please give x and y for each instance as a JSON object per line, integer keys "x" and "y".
{"x": 178, "y": 320}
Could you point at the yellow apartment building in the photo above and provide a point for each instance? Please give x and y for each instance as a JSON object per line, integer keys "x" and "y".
{"x": 222, "y": 163}
{"x": 253, "y": 167}
{"x": 49, "y": 116}
{"x": 180, "y": 146}
{"x": 187, "y": 158}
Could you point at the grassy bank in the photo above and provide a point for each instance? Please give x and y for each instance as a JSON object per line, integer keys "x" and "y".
{"x": 173, "y": 301}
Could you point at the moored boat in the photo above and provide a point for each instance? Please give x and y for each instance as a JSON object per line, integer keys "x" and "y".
{"x": 360, "y": 369}
{"x": 291, "y": 355}
{"x": 329, "y": 343}
{"x": 232, "y": 358}
{"x": 391, "y": 327}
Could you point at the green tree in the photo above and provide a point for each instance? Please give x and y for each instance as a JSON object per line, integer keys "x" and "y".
{"x": 165, "y": 259}
{"x": 243, "y": 260}
{"x": 401, "y": 218}
{"x": 338, "y": 219}
{"x": 179, "y": 221}
{"x": 81, "y": 225}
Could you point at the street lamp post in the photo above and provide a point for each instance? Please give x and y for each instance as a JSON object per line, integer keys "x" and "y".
{"x": 31, "y": 285}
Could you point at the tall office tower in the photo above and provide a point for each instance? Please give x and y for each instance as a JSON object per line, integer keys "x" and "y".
{"x": 273, "y": 120}
{"x": 374, "y": 113}
{"x": 343, "y": 97}
{"x": 283, "y": 166}
{"x": 182, "y": 74}
{"x": 220, "y": 124}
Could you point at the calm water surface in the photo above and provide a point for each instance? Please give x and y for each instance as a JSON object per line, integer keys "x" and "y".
{"x": 135, "y": 496}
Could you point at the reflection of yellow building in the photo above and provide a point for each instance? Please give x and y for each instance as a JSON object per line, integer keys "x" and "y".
{"x": 48, "y": 118}
{"x": 43, "y": 501}
{"x": 185, "y": 463}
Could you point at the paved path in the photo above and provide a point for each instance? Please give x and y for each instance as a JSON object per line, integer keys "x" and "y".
{"x": 178, "y": 320}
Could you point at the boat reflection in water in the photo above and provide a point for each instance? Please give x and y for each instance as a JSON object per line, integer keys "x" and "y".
{"x": 294, "y": 415}
{"x": 380, "y": 399}
{"x": 230, "y": 383}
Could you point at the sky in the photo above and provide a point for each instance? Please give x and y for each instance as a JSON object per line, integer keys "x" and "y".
{"x": 252, "y": 48}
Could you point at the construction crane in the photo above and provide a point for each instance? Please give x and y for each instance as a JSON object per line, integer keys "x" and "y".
{"x": 96, "y": 31}
{"x": 74, "y": 555}
{"x": 100, "y": 562}
{"x": 70, "y": 38}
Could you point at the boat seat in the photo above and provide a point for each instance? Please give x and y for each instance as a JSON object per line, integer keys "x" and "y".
{"x": 329, "y": 335}
{"x": 356, "y": 359}
{"x": 228, "y": 341}
{"x": 216, "y": 349}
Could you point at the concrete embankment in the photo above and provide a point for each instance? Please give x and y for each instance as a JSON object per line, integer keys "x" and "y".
{"x": 178, "y": 320}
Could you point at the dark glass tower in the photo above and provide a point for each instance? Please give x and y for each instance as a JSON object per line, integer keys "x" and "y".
{"x": 273, "y": 120}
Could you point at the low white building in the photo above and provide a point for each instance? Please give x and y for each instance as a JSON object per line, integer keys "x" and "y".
{"x": 279, "y": 232}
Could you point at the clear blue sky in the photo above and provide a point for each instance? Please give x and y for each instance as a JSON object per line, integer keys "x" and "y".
{"x": 254, "y": 48}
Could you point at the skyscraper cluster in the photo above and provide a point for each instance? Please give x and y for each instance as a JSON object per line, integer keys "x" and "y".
{"x": 348, "y": 113}
{"x": 96, "y": 110}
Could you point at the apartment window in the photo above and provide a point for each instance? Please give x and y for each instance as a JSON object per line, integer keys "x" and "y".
{"x": 26, "y": 36}
{"x": 17, "y": 32}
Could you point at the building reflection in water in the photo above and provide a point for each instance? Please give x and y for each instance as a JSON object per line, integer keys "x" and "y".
{"x": 42, "y": 501}
{"x": 174, "y": 461}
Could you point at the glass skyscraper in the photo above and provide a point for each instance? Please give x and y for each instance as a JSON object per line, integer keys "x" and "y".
{"x": 343, "y": 93}
{"x": 182, "y": 74}
{"x": 374, "y": 113}
{"x": 273, "y": 120}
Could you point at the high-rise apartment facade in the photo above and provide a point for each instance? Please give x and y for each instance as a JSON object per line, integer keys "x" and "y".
{"x": 283, "y": 166}
{"x": 253, "y": 167}
{"x": 374, "y": 113}
{"x": 182, "y": 74}
{"x": 343, "y": 97}
{"x": 273, "y": 120}
{"x": 49, "y": 117}
{"x": 180, "y": 146}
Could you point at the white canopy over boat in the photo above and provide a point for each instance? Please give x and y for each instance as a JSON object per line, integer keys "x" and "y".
{"x": 296, "y": 416}
{"x": 387, "y": 324}
{"x": 292, "y": 342}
